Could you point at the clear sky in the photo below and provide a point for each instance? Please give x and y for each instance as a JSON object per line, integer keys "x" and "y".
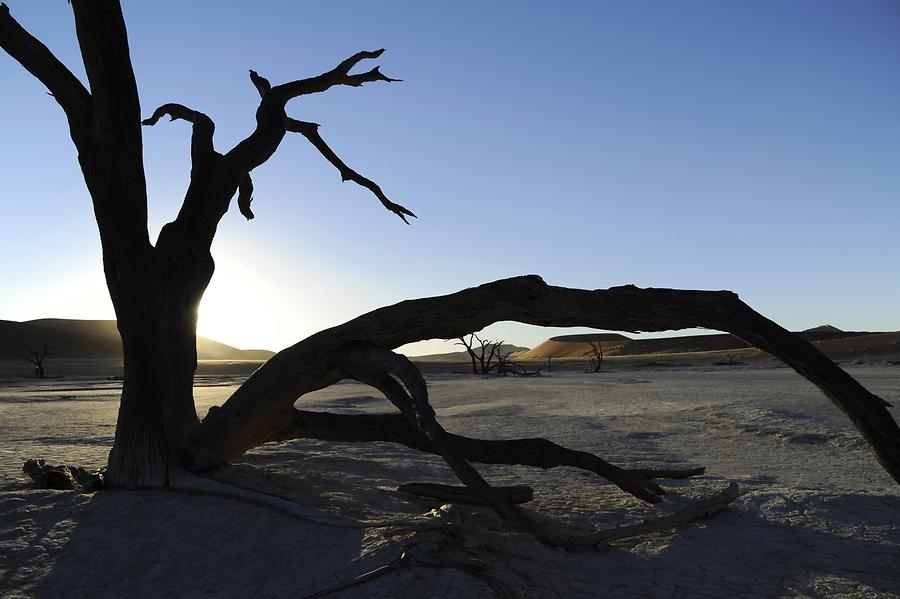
{"x": 751, "y": 146}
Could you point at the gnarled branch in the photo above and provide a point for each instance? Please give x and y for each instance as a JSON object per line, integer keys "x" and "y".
{"x": 203, "y": 128}
{"x": 65, "y": 87}
{"x": 311, "y": 132}
{"x": 540, "y": 453}
{"x": 263, "y": 405}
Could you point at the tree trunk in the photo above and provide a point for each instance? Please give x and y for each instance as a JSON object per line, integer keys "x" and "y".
{"x": 157, "y": 319}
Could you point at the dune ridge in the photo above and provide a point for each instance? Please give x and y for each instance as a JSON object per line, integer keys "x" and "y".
{"x": 69, "y": 338}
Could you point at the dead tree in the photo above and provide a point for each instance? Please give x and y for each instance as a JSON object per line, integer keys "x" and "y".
{"x": 156, "y": 290}
{"x": 36, "y": 356}
{"x": 595, "y": 354}
{"x": 503, "y": 361}
{"x": 481, "y": 352}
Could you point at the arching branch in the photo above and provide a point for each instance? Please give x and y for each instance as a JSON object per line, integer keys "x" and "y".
{"x": 65, "y": 87}
{"x": 263, "y": 405}
{"x": 311, "y": 132}
{"x": 203, "y": 128}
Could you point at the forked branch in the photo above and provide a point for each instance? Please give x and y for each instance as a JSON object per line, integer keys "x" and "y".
{"x": 311, "y": 132}
{"x": 340, "y": 75}
{"x": 257, "y": 147}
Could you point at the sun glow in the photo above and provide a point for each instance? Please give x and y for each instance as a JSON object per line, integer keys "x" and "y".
{"x": 241, "y": 309}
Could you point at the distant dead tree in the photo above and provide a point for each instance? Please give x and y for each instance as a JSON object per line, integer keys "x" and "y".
{"x": 481, "y": 352}
{"x": 36, "y": 356}
{"x": 595, "y": 354}
{"x": 503, "y": 361}
{"x": 156, "y": 286}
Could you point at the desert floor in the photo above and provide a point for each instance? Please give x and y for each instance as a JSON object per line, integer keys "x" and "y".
{"x": 818, "y": 516}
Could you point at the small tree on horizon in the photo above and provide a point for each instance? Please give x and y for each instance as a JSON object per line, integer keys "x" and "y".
{"x": 596, "y": 355}
{"x": 36, "y": 356}
{"x": 481, "y": 352}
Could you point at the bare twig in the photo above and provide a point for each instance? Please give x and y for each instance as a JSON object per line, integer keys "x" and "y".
{"x": 311, "y": 132}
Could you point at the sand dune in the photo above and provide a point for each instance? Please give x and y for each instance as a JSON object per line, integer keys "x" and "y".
{"x": 463, "y": 356}
{"x": 95, "y": 339}
{"x": 834, "y": 343}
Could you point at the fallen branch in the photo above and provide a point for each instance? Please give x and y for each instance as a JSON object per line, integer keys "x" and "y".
{"x": 705, "y": 508}
{"x": 516, "y": 494}
{"x": 541, "y": 453}
{"x": 262, "y": 408}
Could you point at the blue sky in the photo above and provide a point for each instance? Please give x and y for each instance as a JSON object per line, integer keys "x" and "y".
{"x": 715, "y": 145}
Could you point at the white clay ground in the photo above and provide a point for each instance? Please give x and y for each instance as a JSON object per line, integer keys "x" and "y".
{"x": 818, "y": 516}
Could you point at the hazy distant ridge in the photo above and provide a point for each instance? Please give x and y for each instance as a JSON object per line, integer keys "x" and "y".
{"x": 827, "y": 338}
{"x": 95, "y": 339}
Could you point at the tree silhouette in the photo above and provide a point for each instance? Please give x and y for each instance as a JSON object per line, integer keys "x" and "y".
{"x": 156, "y": 289}
{"x": 481, "y": 352}
{"x": 596, "y": 354}
{"x": 37, "y": 355}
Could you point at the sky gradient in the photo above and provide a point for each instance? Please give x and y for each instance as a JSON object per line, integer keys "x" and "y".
{"x": 712, "y": 145}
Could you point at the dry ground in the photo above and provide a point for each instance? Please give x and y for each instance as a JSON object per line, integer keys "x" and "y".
{"x": 818, "y": 516}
